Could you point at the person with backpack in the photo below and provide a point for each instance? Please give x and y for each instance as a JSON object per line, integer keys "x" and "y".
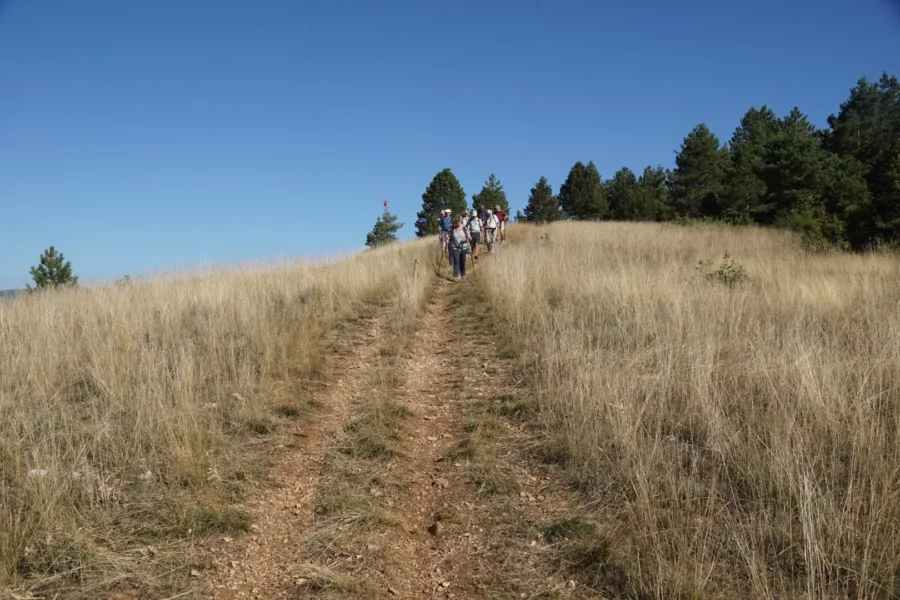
{"x": 474, "y": 228}
{"x": 490, "y": 229}
{"x": 459, "y": 247}
{"x": 501, "y": 219}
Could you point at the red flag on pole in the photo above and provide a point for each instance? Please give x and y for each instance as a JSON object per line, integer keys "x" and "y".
{"x": 385, "y": 203}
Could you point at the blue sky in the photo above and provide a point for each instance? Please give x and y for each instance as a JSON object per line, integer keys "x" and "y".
{"x": 146, "y": 135}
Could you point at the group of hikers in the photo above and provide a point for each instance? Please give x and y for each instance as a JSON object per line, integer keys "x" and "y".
{"x": 459, "y": 233}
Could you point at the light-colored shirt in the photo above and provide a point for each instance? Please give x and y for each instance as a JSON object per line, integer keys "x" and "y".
{"x": 458, "y": 238}
{"x": 474, "y": 225}
{"x": 492, "y": 222}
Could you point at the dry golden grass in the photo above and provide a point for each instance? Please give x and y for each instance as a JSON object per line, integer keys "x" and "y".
{"x": 132, "y": 416}
{"x": 739, "y": 441}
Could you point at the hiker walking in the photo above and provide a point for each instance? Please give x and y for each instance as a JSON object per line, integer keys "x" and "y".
{"x": 445, "y": 222}
{"x": 459, "y": 247}
{"x": 474, "y": 228}
{"x": 490, "y": 229}
{"x": 501, "y": 219}
{"x": 482, "y": 214}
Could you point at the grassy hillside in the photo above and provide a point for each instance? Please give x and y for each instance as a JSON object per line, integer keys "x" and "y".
{"x": 739, "y": 437}
{"x": 133, "y": 418}
{"x": 733, "y": 422}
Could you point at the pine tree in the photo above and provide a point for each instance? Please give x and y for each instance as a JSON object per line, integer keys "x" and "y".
{"x": 654, "y": 187}
{"x": 845, "y": 202}
{"x": 582, "y": 196}
{"x": 867, "y": 127}
{"x": 627, "y": 198}
{"x": 385, "y": 229}
{"x": 868, "y": 124}
{"x": 542, "y": 206}
{"x": 53, "y": 271}
{"x": 444, "y": 191}
{"x": 491, "y": 195}
{"x": 697, "y": 181}
{"x": 745, "y": 190}
{"x": 792, "y": 166}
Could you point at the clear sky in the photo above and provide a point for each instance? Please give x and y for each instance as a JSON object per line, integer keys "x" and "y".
{"x": 143, "y": 135}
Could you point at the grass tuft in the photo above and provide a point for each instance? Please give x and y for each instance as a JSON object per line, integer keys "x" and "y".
{"x": 376, "y": 432}
{"x": 572, "y": 528}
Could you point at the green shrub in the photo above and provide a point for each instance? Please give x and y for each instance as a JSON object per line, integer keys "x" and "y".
{"x": 729, "y": 272}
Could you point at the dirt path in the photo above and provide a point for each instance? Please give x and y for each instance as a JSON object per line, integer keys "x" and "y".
{"x": 437, "y": 545}
{"x": 419, "y": 481}
{"x": 469, "y": 505}
{"x": 263, "y": 564}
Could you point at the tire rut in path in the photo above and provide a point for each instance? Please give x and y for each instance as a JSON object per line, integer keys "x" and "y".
{"x": 434, "y": 548}
{"x": 489, "y": 498}
{"x": 468, "y": 470}
{"x": 263, "y": 563}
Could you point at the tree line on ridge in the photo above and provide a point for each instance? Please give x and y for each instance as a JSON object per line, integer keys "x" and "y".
{"x": 838, "y": 186}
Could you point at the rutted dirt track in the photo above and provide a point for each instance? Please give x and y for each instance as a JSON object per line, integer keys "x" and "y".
{"x": 263, "y": 564}
{"x": 463, "y": 505}
{"x": 438, "y": 543}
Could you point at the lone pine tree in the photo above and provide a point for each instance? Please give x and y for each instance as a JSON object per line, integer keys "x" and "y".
{"x": 385, "y": 229}
{"x": 53, "y": 271}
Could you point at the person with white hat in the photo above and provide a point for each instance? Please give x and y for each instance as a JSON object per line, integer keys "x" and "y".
{"x": 445, "y": 223}
{"x": 490, "y": 229}
{"x": 474, "y": 226}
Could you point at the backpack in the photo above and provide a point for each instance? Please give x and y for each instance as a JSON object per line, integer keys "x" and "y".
{"x": 462, "y": 246}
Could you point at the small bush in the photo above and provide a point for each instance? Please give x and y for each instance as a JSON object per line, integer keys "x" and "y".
{"x": 260, "y": 426}
{"x": 288, "y": 411}
{"x": 729, "y": 272}
{"x": 569, "y": 529}
{"x": 225, "y": 519}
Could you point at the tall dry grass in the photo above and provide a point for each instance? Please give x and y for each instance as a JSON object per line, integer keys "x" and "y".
{"x": 739, "y": 441}
{"x": 132, "y": 417}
